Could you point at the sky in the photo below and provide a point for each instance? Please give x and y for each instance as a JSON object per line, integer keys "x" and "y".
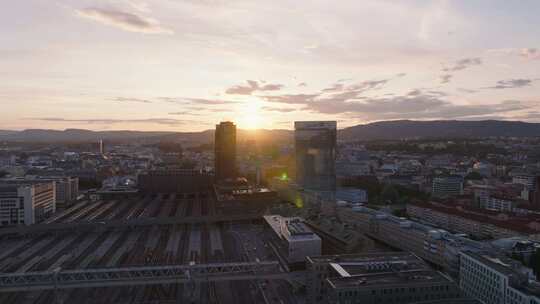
{"x": 185, "y": 65}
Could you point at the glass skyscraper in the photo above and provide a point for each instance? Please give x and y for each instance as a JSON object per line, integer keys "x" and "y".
{"x": 315, "y": 145}
{"x": 225, "y": 151}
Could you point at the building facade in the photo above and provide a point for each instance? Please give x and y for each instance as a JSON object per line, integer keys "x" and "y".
{"x": 353, "y": 196}
{"x": 66, "y": 188}
{"x": 382, "y": 277}
{"x": 315, "y": 148}
{"x": 446, "y": 186}
{"x": 174, "y": 181}
{"x": 495, "y": 280}
{"x": 26, "y": 204}
{"x": 473, "y": 224}
{"x": 295, "y": 240}
{"x": 225, "y": 151}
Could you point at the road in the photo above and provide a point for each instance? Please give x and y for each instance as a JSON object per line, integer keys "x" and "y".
{"x": 254, "y": 246}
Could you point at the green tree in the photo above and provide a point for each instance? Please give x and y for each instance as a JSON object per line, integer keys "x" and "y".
{"x": 389, "y": 194}
{"x": 474, "y": 176}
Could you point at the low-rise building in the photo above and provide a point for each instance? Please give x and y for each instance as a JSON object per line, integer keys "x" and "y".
{"x": 352, "y": 196}
{"x": 66, "y": 188}
{"x": 479, "y": 223}
{"x": 26, "y": 204}
{"x": 382, "y": 277}
{"x": 173, "y": 180}
{"x": 497, "y": 279}
{"x": 294, "y": 240}
{"x": 501, "y": 204}
{"x": 446, "y": 186}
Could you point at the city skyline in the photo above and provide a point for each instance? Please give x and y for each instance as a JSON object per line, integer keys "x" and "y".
{"x": 182, "y": 66}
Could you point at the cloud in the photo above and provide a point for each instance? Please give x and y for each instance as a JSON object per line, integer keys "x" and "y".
{"x": 334, "y": 88}
{"x": 464, "y": 90}
{"x": 277, "y": 109}
{"x": 446, "y": 78}
{"x": 528, "y": 115}
{"x": 291, "y": 98}
{"x": 368, "y": 85}
{"x": 182, "y": 113}
{"x": 530, "y": 53}
{"x": 414, "y": 92}
{"x": 463, "y": 64}
{"x": 512, "y": 84}
{"x": 124, "y": 20}
{"x": 160, "y": 121}
{"x": 130, "y": 99}
{"x": 416, "y": 104}
{"x": 208, "y": 101}
{"x": 302, "y": 84}
{"x": 200, "y": 101}
{"x": 251, "y": 87}
{"x": 527, "y": 53}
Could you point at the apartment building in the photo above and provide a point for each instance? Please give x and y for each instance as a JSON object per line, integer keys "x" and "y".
{"x": 477, "y": 223}
{"x": 26, "y": 203}
{"x": 497, "y": 279}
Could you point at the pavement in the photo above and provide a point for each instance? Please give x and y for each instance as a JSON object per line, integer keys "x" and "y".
{"x": 253, "y": 246}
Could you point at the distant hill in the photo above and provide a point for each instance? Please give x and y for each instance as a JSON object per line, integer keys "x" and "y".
{"x": 78, "y": 135}
{"x": 384, "y": 130}
{"x": 401, "y": 129}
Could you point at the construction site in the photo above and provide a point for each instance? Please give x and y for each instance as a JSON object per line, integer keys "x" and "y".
{"x": 149, "y": 255}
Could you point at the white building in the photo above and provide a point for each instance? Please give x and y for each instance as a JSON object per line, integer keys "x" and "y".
{"x": 500, "y": 204}
{"x": 528, "y": 182}
{"x": 26, "y": 203}
{"x": 495, "y": 280}
{"x": 296, "y": 240}
{"x": 66, "y": 188}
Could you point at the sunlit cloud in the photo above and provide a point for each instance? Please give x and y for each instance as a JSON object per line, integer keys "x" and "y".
{"x": 526, "y": 53}
{"x": 251, "y": 87}
{"x": 512, "y": 84}
{"x": 130, "y": 99}
{"x": 124, "y": 20}
{"x": 463, "y": 64}
{"x": 446, "y": 78}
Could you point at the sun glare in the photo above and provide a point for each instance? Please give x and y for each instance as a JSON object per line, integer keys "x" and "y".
{"x": 251, "y": 118}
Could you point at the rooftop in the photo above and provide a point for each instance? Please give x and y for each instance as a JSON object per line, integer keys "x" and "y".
{"x": 515, "y": 223}
{"x": 409, "y": 278}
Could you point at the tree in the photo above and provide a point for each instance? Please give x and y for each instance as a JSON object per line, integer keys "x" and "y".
{"x": 474, "y": 176}
{"x": 535, "y": 263}
{"x": 170, "y": 147}
{"x": 389, "y": 194}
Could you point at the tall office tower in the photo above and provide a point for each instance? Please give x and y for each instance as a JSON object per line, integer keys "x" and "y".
{"x": 315, "y": 145}
{"x": 101, "y": 147}
{"x": 225, "y": 151}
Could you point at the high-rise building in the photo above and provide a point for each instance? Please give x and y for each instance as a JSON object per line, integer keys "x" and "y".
{"x": 225, "y": 151}
{"x": 315, "y": 145}
{"x": 101, "y": 147}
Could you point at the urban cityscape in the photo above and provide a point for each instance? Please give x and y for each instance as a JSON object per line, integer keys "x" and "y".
{"x": 394, "y": 158}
